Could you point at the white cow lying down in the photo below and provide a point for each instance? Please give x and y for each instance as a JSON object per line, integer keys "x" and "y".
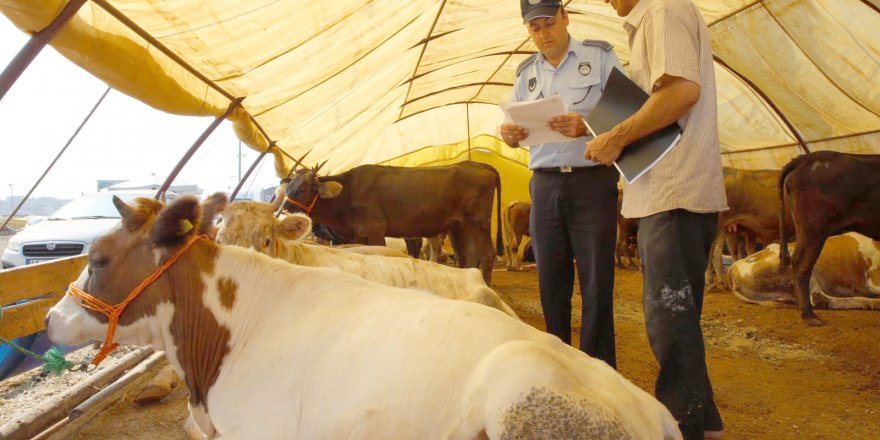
{"x": 270, "y": 350}
{"x": 253, "y": 225}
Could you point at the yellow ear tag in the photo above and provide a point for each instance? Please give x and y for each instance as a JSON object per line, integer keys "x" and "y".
{"x": 185, "y": 226}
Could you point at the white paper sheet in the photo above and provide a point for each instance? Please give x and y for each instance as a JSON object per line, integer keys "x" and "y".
{"x": 533, "y": 116}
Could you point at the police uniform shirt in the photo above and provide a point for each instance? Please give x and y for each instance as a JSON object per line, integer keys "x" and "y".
{"x": 579, "y": 80}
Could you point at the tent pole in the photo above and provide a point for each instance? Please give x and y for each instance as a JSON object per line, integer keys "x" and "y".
{"x": 769, "y": 102}
{"x": 69, "y": 141}
{"x": 198, "y": 143}
{"x": 467, "y": 113}
{"x": 33, "y": 47}
{"x": 249, "y": 171}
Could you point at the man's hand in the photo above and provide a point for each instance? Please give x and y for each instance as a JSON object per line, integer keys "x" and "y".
{"x": 512, "y": 134}
{"x": 569, "y": 124}
{"x": 605, "y": 148}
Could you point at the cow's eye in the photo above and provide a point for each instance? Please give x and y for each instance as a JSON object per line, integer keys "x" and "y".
{"x": 98, "y": 262}
{"x": 268, "y": 242}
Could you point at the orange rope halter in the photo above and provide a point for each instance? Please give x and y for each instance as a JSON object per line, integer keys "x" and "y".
{"x": 308, "y": 209}
{"x": 113, "y": 312}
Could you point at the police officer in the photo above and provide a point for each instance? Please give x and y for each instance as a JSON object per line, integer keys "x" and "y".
{"x": 574, "y": 201}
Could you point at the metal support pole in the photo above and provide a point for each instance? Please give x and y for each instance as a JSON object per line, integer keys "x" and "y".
{"x": 69, "y": 141}
{"x": 33, "y": 47}
{"x": 773, "y": 106}
{"x": 249, "y": 171}
{"x": 192, "y": 150}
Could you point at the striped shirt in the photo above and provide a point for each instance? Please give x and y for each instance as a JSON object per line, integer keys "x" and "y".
{"x": 670, "y": 37}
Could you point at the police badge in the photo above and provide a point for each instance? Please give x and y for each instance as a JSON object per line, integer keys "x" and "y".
{"x": 532, "y": 83}
{"x": 585, "y": 69}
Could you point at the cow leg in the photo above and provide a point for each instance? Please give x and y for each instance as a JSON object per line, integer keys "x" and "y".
{"x": 478, "y": 250}
{"x": 455, "y": 237}
{"x": 413, "y": 247}
{"x": 809, "y": 246}
{"x": 751, "y": 243}
{"x": 514, "y": 254}
{"x": 715, "y": 272}
{"x": 618, "y": 248}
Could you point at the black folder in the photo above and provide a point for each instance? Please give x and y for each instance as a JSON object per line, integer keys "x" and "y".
{"x": 620, "y": 100}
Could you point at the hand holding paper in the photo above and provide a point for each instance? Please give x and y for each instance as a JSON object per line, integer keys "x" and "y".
{"x": 533, "y": 116}
{"x": 604, "y": 149}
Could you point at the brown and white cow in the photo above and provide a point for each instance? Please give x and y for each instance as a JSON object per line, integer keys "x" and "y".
{"x": 829, "y": 193}
{"x": 516, "y": 225}
{"x": 369, "y": 202}
{"x": 272, "y": 350}
{"x": 253, "y": 225}
{"x": 846, "y": 276}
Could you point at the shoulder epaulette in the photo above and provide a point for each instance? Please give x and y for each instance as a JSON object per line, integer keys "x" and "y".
{"x": 603, "y": 44}
{"x": 526, "y": 63}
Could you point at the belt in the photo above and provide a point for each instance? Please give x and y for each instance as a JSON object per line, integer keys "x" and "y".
{"x": 564, "y": 169}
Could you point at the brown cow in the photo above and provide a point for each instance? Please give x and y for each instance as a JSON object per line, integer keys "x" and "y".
{"x": 829, "y": 193}
{"x": 754, "y": 208}
{"x": 370, "y": 202}
{"x": 516, "y": 225}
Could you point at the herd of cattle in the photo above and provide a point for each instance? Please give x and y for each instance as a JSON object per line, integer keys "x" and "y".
{"x": 338, "y": 344}
{"x": 276, "y": 334}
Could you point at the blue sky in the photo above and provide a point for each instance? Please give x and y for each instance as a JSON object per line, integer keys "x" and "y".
{"x": 125, "y": 139}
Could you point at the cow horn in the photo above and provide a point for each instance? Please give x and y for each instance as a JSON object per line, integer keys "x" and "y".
{"x": 126, "y": 212}
{"x": 278, "y": 199}
{"x": 299, "y": 162}
{"x": 320, "y": 166}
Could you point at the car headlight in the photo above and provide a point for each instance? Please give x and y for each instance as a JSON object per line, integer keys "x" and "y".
{"x": 14, "y": 244}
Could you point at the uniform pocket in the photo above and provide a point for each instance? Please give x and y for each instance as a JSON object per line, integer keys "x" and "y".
{"x": 583, "y": 91}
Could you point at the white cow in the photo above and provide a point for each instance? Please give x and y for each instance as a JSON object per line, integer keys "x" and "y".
{"x": 253, "y": 225}
{"x": 271, "y": 350}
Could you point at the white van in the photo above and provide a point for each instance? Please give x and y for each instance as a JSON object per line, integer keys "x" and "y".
{"x": 70, "y": 230}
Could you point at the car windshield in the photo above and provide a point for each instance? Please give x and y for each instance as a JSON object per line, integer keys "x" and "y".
{"x": 94, "y": 206}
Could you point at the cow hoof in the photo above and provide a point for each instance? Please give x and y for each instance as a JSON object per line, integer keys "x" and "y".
{"x": 813, "y": 321}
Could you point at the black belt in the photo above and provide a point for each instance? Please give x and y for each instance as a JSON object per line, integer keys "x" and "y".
{"x": 564, "y": 169}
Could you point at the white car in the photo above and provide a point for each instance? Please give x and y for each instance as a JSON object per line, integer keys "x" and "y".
{"x": 70, "y": 230}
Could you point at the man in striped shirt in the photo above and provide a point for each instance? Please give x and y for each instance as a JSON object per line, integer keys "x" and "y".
{"x": 677, "y": 202}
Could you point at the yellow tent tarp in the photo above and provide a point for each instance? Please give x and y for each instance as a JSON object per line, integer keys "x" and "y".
{"x": 361, "y": 81}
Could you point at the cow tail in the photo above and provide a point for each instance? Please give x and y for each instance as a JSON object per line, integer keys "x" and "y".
{"x": 784, "y": 257}
{"x": 499, "y": 237}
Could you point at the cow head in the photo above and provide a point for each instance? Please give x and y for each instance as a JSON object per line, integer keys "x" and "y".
{"x": 305, "y": 188}
{"x": 121, "y": 260}
{"x": 253, "y": 225}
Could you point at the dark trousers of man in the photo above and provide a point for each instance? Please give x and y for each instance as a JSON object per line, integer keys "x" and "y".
{"x": 574, "y": 216}
{"x": 674, "y": 246}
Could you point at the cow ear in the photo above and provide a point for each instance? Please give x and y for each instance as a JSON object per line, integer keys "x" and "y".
{"x": 177, "y": 222}
{"x": 134, "y": 217}
{"x": 211, "y": 208}
{"x": 295, "y": 227}
{"x": 329, "y": 190}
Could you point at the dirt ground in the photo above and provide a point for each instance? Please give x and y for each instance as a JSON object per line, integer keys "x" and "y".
{"x": 774, "y": 377}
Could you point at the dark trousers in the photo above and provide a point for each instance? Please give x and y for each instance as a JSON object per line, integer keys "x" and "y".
{"x": 674, "y": 246}
{"x": 574, "y": 216}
